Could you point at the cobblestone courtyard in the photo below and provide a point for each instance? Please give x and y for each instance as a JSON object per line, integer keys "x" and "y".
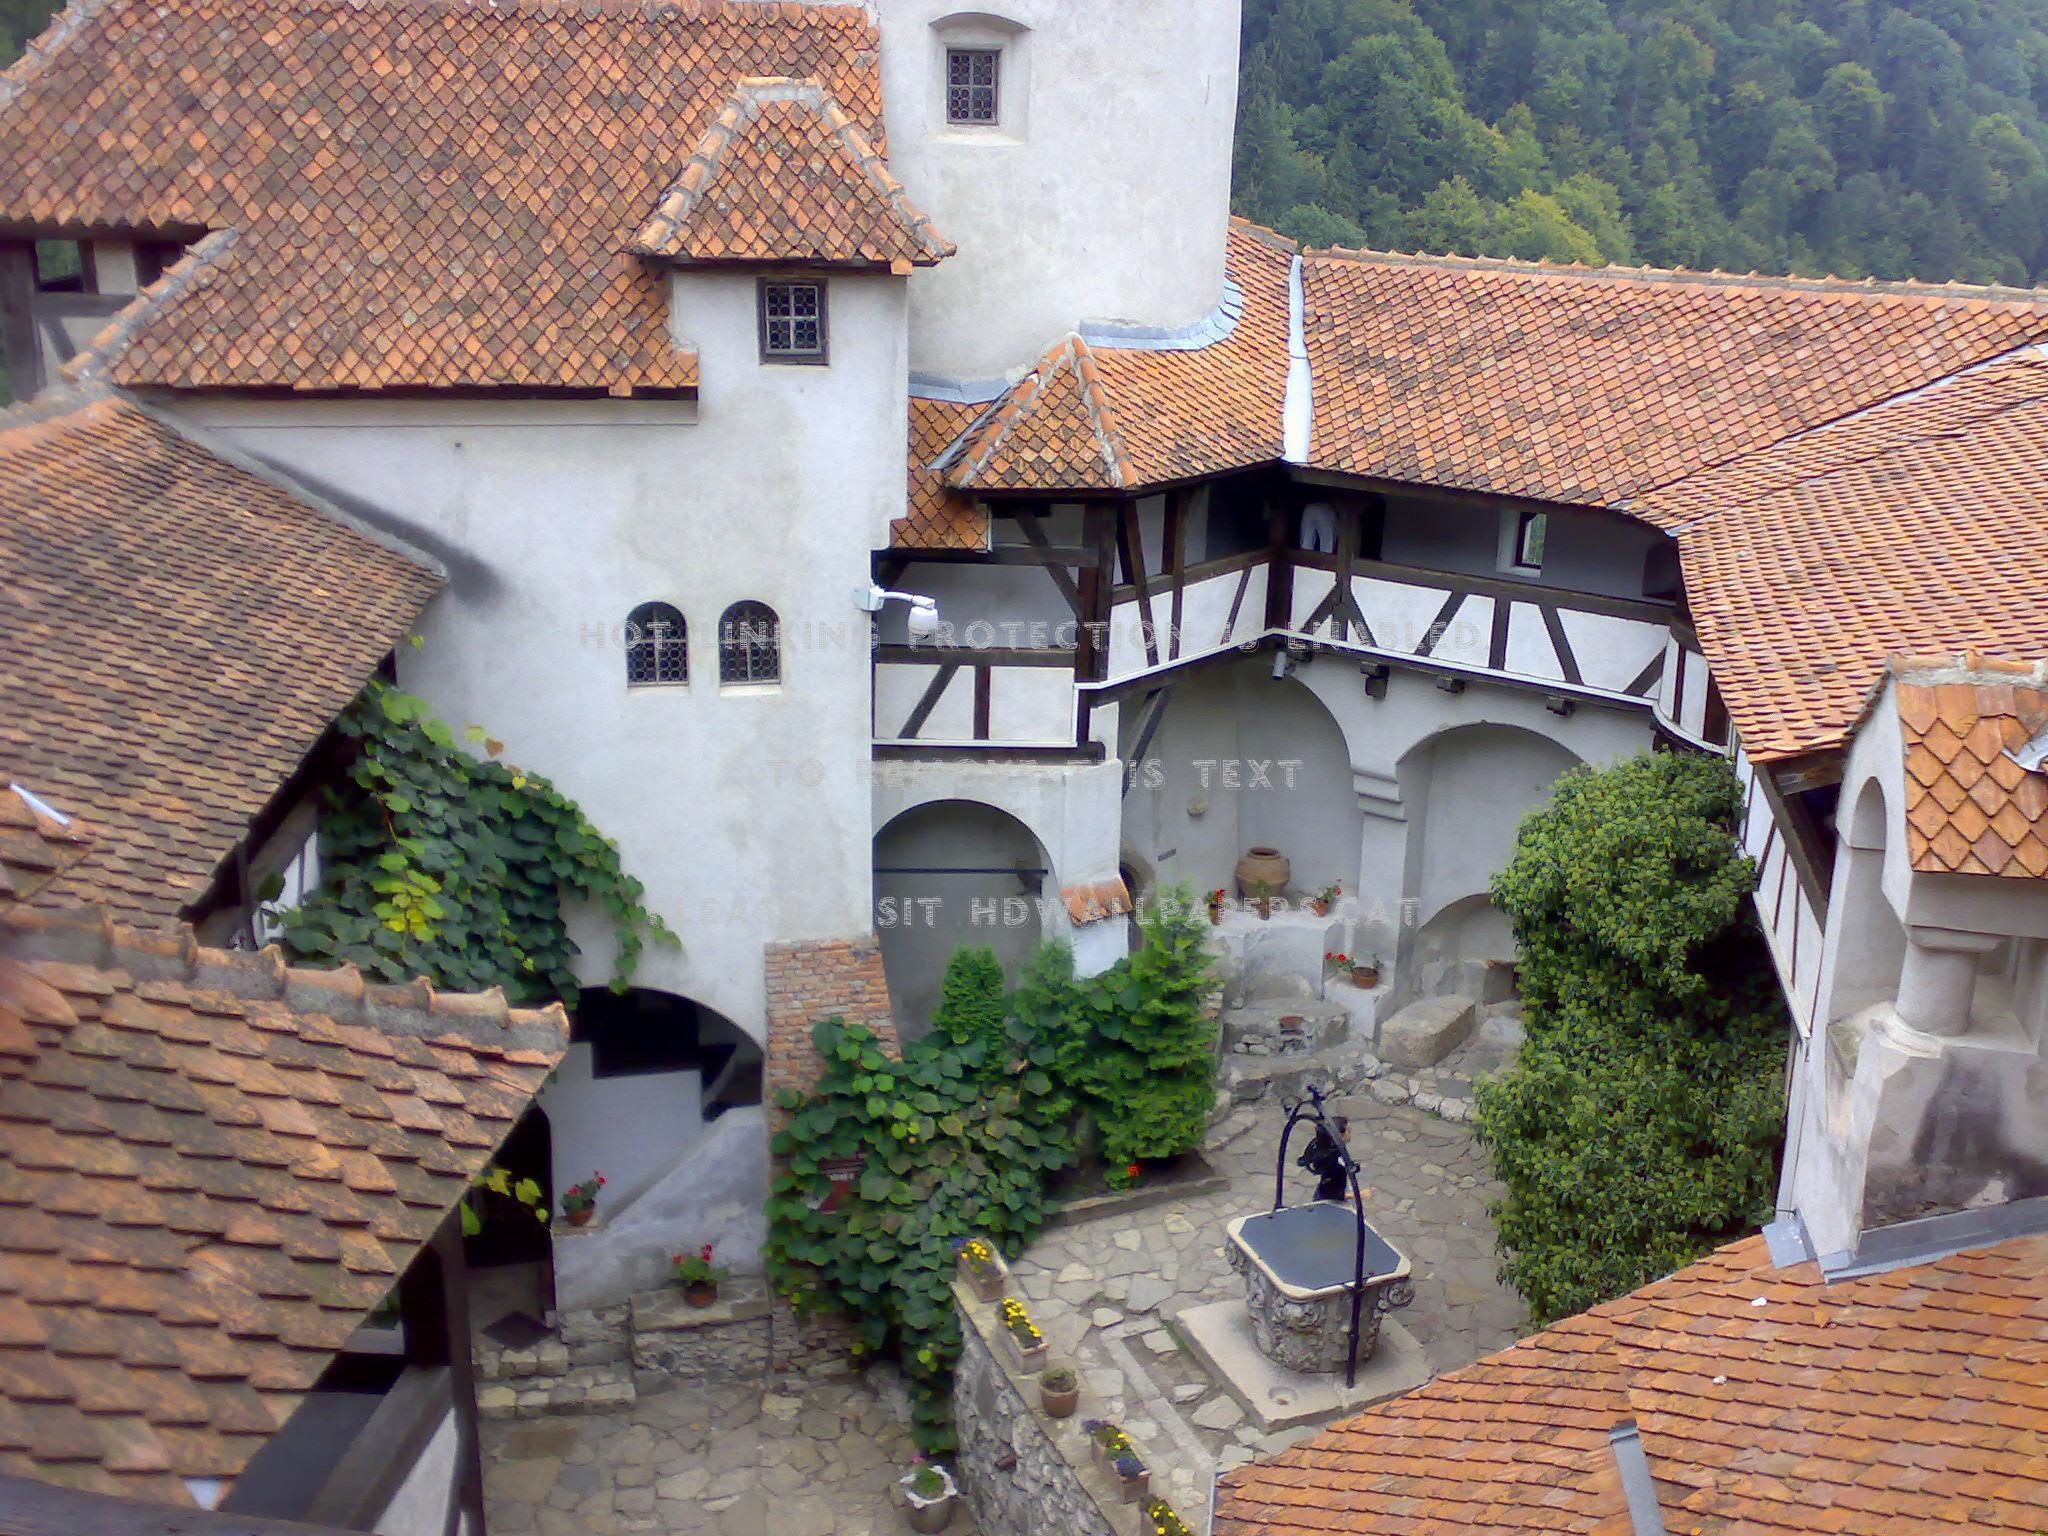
{"x": 807, "y": 1459}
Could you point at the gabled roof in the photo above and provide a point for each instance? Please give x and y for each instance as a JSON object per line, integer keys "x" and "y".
{"x": 937, "y": 516}
{"x": 1972, "y": 807}
{"x": 1768, "y": 1401}
{"x": 212, "y": 1168}
{"x": 177, "y": 631}
{"x": 1103, "y": 417}
{"x": 783, "y": 174}
{"x": 1918, "y": 525}
{"x": 1594, "y": 385}
{"x": 422, "y": 195}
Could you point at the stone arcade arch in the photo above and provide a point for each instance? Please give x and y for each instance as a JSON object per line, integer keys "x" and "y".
{"x": 950, "y": 873}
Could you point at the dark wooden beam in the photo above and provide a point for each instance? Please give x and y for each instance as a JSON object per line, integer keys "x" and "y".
{"x": 1097, "y": 584}
{"x": 1131, "y": 540}
{"x": 1039, "y": 553}
{"x": 1280, "y": 580}
{"x": 1056, "y": 562}
{"x": 1811, "y": 770}
{"x": 24, "y": 350}
{"x": 897, "y": 655}
{"x": 984, "y": 681}
{"x": 1176, "y": 558}
{"x": 932, "y": 694}
{"x": 1148, "y": 728}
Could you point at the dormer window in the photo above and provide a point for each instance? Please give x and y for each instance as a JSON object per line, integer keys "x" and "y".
{"x": 973, "y": 80}
{"x": 792, "y": 321}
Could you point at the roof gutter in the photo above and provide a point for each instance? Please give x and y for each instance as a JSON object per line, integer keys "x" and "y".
{"x": 1636, "y": 1483}
{"x": 1299, "y": 414}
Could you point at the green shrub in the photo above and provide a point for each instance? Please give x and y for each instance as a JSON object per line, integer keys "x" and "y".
{"x": 954, "y": 1142}
{"x": 455, "y": 867}
{"x": 1640, "y": 1127}
{"x": 971, "y": 1006}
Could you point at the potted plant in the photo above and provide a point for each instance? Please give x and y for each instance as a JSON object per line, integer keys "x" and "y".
{"x": 1217, "y": 898}
{"x": 1027, "y": 1344}
{"x": 1337, "y": 960}
{"x": 1132, "y": 1478}
{"x": 1059, "y": 1391}
{"x": 579, "y": 1201}
{"x": 981, "y": 1269}
{"x": 930, "y": 1494}
{"x": 1262, "y": 899}
{"x": 1366, "y": 975}
{"x": 1326, "y": 898}
{"x": 1106, "y": 1441}
{"x": 698, "y": 1276}
{"x": 1117, "y": 1180}
{"x": 1162, "y": 1519}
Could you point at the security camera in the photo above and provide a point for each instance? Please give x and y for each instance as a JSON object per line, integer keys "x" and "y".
{"x": 924, "y": 611}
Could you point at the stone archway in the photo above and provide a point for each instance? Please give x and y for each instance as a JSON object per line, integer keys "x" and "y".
{"x": 1466, "y": 791}
{"x": 950, "y": 873}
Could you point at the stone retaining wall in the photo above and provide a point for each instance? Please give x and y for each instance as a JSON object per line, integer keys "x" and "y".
{"x": 1022, "y": 1473}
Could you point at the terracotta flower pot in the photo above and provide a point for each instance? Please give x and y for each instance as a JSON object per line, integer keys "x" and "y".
{"x": 1059, "y": 1405}
{"x": 1366, "y": 976}
{"x": 1263, "y": 865}
{"x": 581, "y": 1217}
{"x": 1265, "y": 908}
{"x": 700, "y": 1293}
{"x": 1320, "y": 907}
{"x": 1215, "y": 917}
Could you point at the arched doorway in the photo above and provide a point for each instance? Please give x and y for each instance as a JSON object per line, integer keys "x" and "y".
{"x": 950, "y": 873}
{"x": 1466, "y": 791}
{"x": 1241, "y": 758}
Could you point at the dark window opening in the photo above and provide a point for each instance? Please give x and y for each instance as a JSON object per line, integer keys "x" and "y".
{"x": 63, "y": 266}
{"x": 749, "y": 644}
{"x": 1530, "y": 528}
{"x": 793, "y": 322}
{"x": 972, "y": 80}
{"x": 657, "y": 646}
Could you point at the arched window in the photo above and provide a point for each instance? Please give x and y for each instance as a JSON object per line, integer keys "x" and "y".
{"x": 749, "y": 644}
{"x": 657, "y": 646}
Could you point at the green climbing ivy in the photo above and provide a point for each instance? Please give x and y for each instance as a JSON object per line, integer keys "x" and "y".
{"x": 953, "y": 1140}
{"x": 441, "y": 863}
{"x": 971, "y": 1003}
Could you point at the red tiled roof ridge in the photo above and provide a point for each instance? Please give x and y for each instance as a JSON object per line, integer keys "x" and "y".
{"x": 473, "y": 1020}
{"x": 659, "y": 237}
{"x": 1845, "y": 287}
{"x": 1265, "y": 234}
{"x": 1646, "y": 505}
{"x": 1071, "y": 354}
{"x": 96, "y": 359}
{"x": 36, "y": 845}
{"x": 1971, "y": 666}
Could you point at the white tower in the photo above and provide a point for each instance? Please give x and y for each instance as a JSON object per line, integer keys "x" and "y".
{"x": 1078, "y": 151}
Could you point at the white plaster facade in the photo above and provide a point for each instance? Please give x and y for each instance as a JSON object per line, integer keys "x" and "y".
{"x": 1101, "y": 193}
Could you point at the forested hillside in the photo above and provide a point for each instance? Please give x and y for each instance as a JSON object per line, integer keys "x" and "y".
{"x": 1846, "y": 136}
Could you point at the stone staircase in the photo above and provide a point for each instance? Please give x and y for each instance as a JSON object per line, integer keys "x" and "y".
{"x": 606, "y": 1359}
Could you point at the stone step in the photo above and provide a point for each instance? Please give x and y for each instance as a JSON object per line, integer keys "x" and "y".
{"x": 545, "y": 1360}
{"x": 1284, "y": 1029}
{"x": 585, "y": 1389}
{"x": 1425, "y": 1032}
{"x": 1336, "y": 1069}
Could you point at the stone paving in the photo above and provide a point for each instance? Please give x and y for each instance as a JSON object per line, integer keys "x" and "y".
{"x": 814, "y": 1459}
{"x": 806, "y": 1459}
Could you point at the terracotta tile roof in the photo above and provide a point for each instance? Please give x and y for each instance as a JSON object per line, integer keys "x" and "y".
{"x": 212, "y": 1168}
{"x": 784, "y": 175}
{"x": 1918, "y": 525}
{"x": 176, "y": 632}
{"x": 1907, "y": 1402}
{"x": 1094, "y": 903}
{"x": 1108, "y": 418}
{"x": 35, "y": 847}
{"x": 938, "y": 517}
{"x": 1592, "y": 386}
{"x": 1971, "y": 809}
{"x": 424, "y": 194}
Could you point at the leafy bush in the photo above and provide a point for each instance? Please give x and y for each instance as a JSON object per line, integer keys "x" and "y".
{"x": 954, "y": 1141}
{"x": 1143, "y": 1048}
{"x": 1640, "y": 1127}
{"x": 458, "y": 868}
{"x": 971, "y": 1003}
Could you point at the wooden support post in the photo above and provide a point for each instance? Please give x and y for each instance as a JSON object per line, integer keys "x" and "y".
{"x": 433, "y": 1300}
{"x": 1098, "y": 581}
{"x": 1280, "y": 575}
{"x": 1131, "y": 538}
{"x": 1148, "y": 728}
{"x": 1176, "y": 556}
{"x": 1054, "y": 565}
{"x": 984, "y": 680}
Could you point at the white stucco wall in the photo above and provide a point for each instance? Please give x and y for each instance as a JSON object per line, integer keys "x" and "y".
{"x": 745, "y": 811}
{"x": 1102, "y": 195}
{"x": 631, "y": 1129}
{"x": 420, "y": 1507}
